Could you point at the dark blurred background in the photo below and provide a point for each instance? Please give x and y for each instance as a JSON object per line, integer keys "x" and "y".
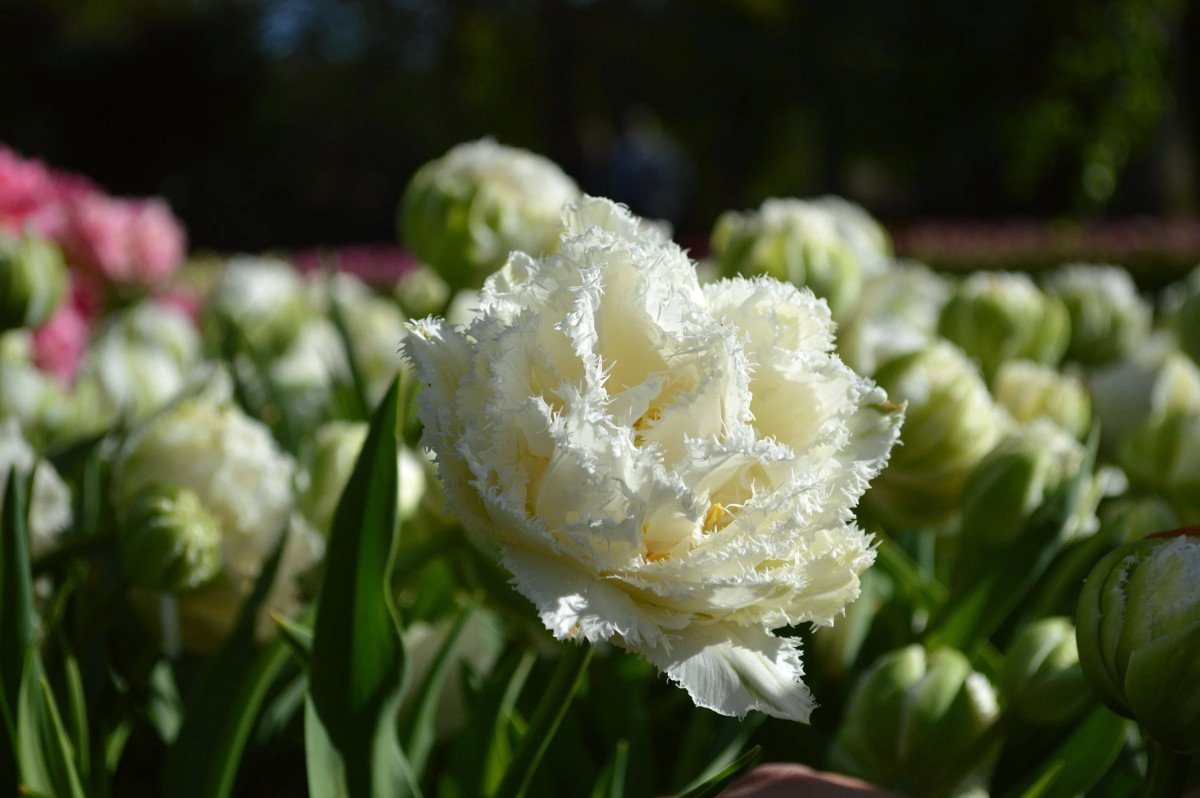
{"x": 291, "y": 123}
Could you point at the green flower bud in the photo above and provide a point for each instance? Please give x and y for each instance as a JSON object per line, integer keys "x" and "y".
{"x": 897, "y": 314}
{"x": 1000, "y": 316}
{"x": 1128, "y": 518}
{"x": 950, "y": 424}
{"x": 1108, "y": 317}
{"x": 802, "y": 242}
{"x": 912, "y": 718}
{"x": 464, "y": 212}
{"x": 325, "y": 465}
{"x": 1138, "y": 631}
{"x": 260, "y": 302}
{"x": 1041, "y": 679}
{"x": 1186, "y": 323}
{"x": 33, "y": 280}
{"x": 169, "y": 542}
{"x": 1163, "y": 455}
{"x": 422, "y": 292}
{"x": 1030, "y": 391}
{"x": 1016, "y": 478}
{"x": 1150, "y": 384}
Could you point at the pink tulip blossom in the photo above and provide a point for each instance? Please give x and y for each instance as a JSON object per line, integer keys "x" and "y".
{"x": 137, "y": 242}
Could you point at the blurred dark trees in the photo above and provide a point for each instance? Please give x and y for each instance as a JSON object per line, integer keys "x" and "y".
{"x": 297, "y": 122}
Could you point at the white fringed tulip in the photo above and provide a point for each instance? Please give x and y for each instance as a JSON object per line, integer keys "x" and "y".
{"x": 669, "y": 467}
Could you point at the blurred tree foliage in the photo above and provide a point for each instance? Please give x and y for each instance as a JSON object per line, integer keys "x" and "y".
{"x": 297, "y": 122}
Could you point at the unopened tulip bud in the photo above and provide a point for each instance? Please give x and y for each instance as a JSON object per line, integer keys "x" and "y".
{"x": 33, "y": 280}
{"x": 1138, "y": 631}
{"x": 1041, "y": 679}
{"x": 464, "y": 212}
{"x": 1001, "y": 316}
{"x": 801, "y": 242}
{"x": 422, "y": 292}
{"x": 1016, "y": 478}
{"x": 169, "y": 541}
{"x": 950, "y": 424}
{"x": 1030, "y": 391}
{"x": 911, "y": 720}
{"x": 1108, "y": 317}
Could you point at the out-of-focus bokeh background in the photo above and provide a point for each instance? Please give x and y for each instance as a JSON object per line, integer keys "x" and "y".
{"x": 294, "y": 123}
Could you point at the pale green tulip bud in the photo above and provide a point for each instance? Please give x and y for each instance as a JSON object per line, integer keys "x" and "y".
{"x": 897, "y": 313}
{"x": 1181, "y": 313}
{"x": 1163, "y": 455}
{"x": 1186, "y": 322}
{"x": 1041, "y": 680}
{"x": 1128, "y": 518}
{"x": 796, "y": 241}
{"x": 169, "y": 542}
{"x": 1000, "y": 316}
{"x": 1029, "y": 391}
{"x": 912, "y": 718}
{"x": 1016, "y": 478}
{"x": 422, "y": 292}
{"x": 1108, "y": 317}
{"x": 33, "y": 280}
{"x": 464, "y": 212}
{"x": 950, "y": 424}
{"x": 326, "y": 464}
{"x": 260, "y": 302}
{"x": 1153, "y": 382}
{"x": 375, "y": 326}
{"x": 1138, "y": 630}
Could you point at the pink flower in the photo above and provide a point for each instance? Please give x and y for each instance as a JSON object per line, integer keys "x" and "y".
{"x": 59, "y": 344}
{"x": 135, "y": 242}
{"x": 31, "y": 195}
{"x": 187, "y": 302}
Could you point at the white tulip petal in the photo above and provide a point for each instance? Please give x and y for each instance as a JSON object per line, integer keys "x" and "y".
{"x": 732, "y": 670}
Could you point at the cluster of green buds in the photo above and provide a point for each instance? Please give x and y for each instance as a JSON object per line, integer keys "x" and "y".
{"x": 807, "y": 243}
{"x": 169, "y": 542}
{"x": 1138, "y": 628}
{"x": 950, "y": 424}
{"x": 464, "y": 212}
{"x": 1031, "y": 391}
{"x": 1109, "y": 319}
{"x": 33, "y": 280}
{"x": 914, "y": 719}
{"x": 1000, "y": 316}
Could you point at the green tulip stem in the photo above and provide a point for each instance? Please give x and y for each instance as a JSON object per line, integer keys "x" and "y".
{"x": 546, "y": 718}
{"x": 1167, "y": 775}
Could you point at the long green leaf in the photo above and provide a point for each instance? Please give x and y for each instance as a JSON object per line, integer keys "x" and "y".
{"x": 358, "y": 663}
{"x": 16, "y": 617}
{"x": 221, "y": 708}
{"x": 343, "y": 328}
{"x": 45, "y": 755}
{"x": 719, "y": 781}
{"x": 1080, "y": 762}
